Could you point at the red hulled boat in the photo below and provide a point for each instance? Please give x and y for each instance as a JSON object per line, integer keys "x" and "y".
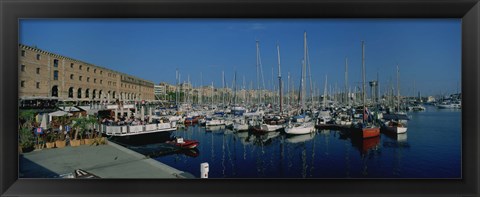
{"x": 184, "y": 144}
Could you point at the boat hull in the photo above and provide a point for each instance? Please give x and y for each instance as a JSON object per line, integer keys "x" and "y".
{"x": 215, "y": 123}
{"x": 300, "y": 129}
{"x": 240, "y": 127}
{"x": 368, "y": 132}
{"x": 267, "y": 127}
{"x": 188, "y": 144}
{"x": 396, "y": 130}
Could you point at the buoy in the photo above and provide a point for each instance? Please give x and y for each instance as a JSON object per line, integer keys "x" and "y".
{"x": 204, "y": 168}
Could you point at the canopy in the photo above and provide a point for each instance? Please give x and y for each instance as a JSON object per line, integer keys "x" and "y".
{"x": 60, "y": 113}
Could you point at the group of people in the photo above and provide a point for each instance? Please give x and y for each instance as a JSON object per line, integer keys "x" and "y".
{"x": 125, "y": 121}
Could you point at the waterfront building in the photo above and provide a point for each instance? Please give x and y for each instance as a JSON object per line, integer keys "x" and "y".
{"x": 43, "y": 74}
{"x": 160, "y": 92}
{"x": 168, "y": 87}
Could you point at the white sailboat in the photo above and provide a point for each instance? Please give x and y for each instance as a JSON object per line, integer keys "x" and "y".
{"x": 240, "y": 124}
{"x": 276, "y": 123}
{"x": 324, "y": 116}
{"x": 395, "y": 125}
{"x": 215, "y": 121}
{"x": 305, "y": 125}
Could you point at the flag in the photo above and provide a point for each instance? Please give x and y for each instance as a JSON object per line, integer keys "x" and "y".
{"x": 38, "y": 131}
{"x": 365, "y": 114}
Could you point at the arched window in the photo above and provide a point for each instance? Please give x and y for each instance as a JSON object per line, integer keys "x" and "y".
{"x": 70, "y": 92}
{"x": 79, "y": 93}
{"x": 100, "y": 94}
{"x": 113, "y": 95}
{"x": 94, "y": 94}
{"x": 87, "y": 93}
{"x": 71, "y": 76}
{"x": 55, "y": 91}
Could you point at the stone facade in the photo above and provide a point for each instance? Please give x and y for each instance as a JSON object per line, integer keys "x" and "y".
{"x": 45, "y": 74}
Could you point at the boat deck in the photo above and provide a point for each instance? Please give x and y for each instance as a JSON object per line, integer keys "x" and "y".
{"x": 137, "y": 129}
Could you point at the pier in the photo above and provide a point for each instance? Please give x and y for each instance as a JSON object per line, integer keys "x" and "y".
{"x": 105, "y": 161}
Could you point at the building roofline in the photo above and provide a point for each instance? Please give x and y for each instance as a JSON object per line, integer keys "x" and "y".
{"x": 79, "y": 61}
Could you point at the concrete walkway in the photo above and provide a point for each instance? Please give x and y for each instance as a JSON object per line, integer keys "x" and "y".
{"x": 105, "y": 161}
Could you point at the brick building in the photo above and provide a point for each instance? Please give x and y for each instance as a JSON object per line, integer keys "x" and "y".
{"x": 45, "y": 74}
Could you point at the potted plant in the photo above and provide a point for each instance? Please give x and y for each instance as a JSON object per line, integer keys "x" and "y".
{"x": 27, "y": 140}
{"x": 98, "y": 139}
{"x": 50, "y": 140}
{"x": 81, "y": 125}
{"x": 26, "y": 136}
{"x": 60, "y": 140}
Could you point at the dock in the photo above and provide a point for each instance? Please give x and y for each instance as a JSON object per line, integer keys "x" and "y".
{"x": 105, "y": 161}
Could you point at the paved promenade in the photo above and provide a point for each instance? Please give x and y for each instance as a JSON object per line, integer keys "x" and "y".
{"x": 105, "y": 161}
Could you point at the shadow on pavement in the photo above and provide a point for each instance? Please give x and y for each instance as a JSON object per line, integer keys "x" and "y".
{"x": 30, "y": 169}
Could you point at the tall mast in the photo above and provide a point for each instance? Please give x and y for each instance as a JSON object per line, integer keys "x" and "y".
{"x": 223, "y": 88}
{"x": 235, "y": 88}
{"x": 258, "y": 74}
{"x": 363, "y": 79}
{"x": 288, "y": 89}
{"x": 279, "y": 78}
{"x": 304, "y": 69}
{"x": 325, "y": 94}
{"x": 272, "y": 86}
{"x": 309, "y": 73}
{"x": 180, "y": 87}
{"x": 176, "y": 89}
{"x": 244, "y": 90}
{"x": 398, "y": 91}
{"x": 346, "y": 82}
{"x": 187, "y": 89}
{"x": 201, "y": 89}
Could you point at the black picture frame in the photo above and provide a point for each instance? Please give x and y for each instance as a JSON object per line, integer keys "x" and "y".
{"x": 467, "y": 10}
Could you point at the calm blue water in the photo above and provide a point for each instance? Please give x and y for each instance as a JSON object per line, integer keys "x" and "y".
{"x": 431, "y": 148}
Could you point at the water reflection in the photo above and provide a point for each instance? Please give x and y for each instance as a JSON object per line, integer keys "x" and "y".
{"x": 402, "y": 137}
{"x": 322, "y": 154}
{"x": 265, "y": 138}
{"x": 155, "y": 146}
{"x": 216, "y": 129}
{"x": 300, "y": 138}
{"x": 365, "y": 145}
{"x": 396, "y": 142}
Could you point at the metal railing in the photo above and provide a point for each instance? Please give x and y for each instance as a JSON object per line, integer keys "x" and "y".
{"x": 137, "y": 129}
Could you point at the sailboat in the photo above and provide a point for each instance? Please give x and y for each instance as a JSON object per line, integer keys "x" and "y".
{"x": 324, "y": 116}
{"x": 393, "y": 122}
{"x": 365, "y": 129}
{"x": 239, "y": 121}
{"x": 304, "y": 124}
{"x": 275, "y": 122}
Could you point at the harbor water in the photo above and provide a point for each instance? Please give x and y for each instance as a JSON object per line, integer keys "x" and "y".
{"x": 431, "y": 148}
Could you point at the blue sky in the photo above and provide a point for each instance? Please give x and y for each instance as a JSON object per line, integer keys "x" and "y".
{"x": 428, "y": 51}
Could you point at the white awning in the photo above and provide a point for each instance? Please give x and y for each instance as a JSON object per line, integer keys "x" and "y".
{"x": 60, "y": 113}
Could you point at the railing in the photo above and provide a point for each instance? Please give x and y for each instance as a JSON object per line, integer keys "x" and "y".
{"x": 137, "y": 129}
